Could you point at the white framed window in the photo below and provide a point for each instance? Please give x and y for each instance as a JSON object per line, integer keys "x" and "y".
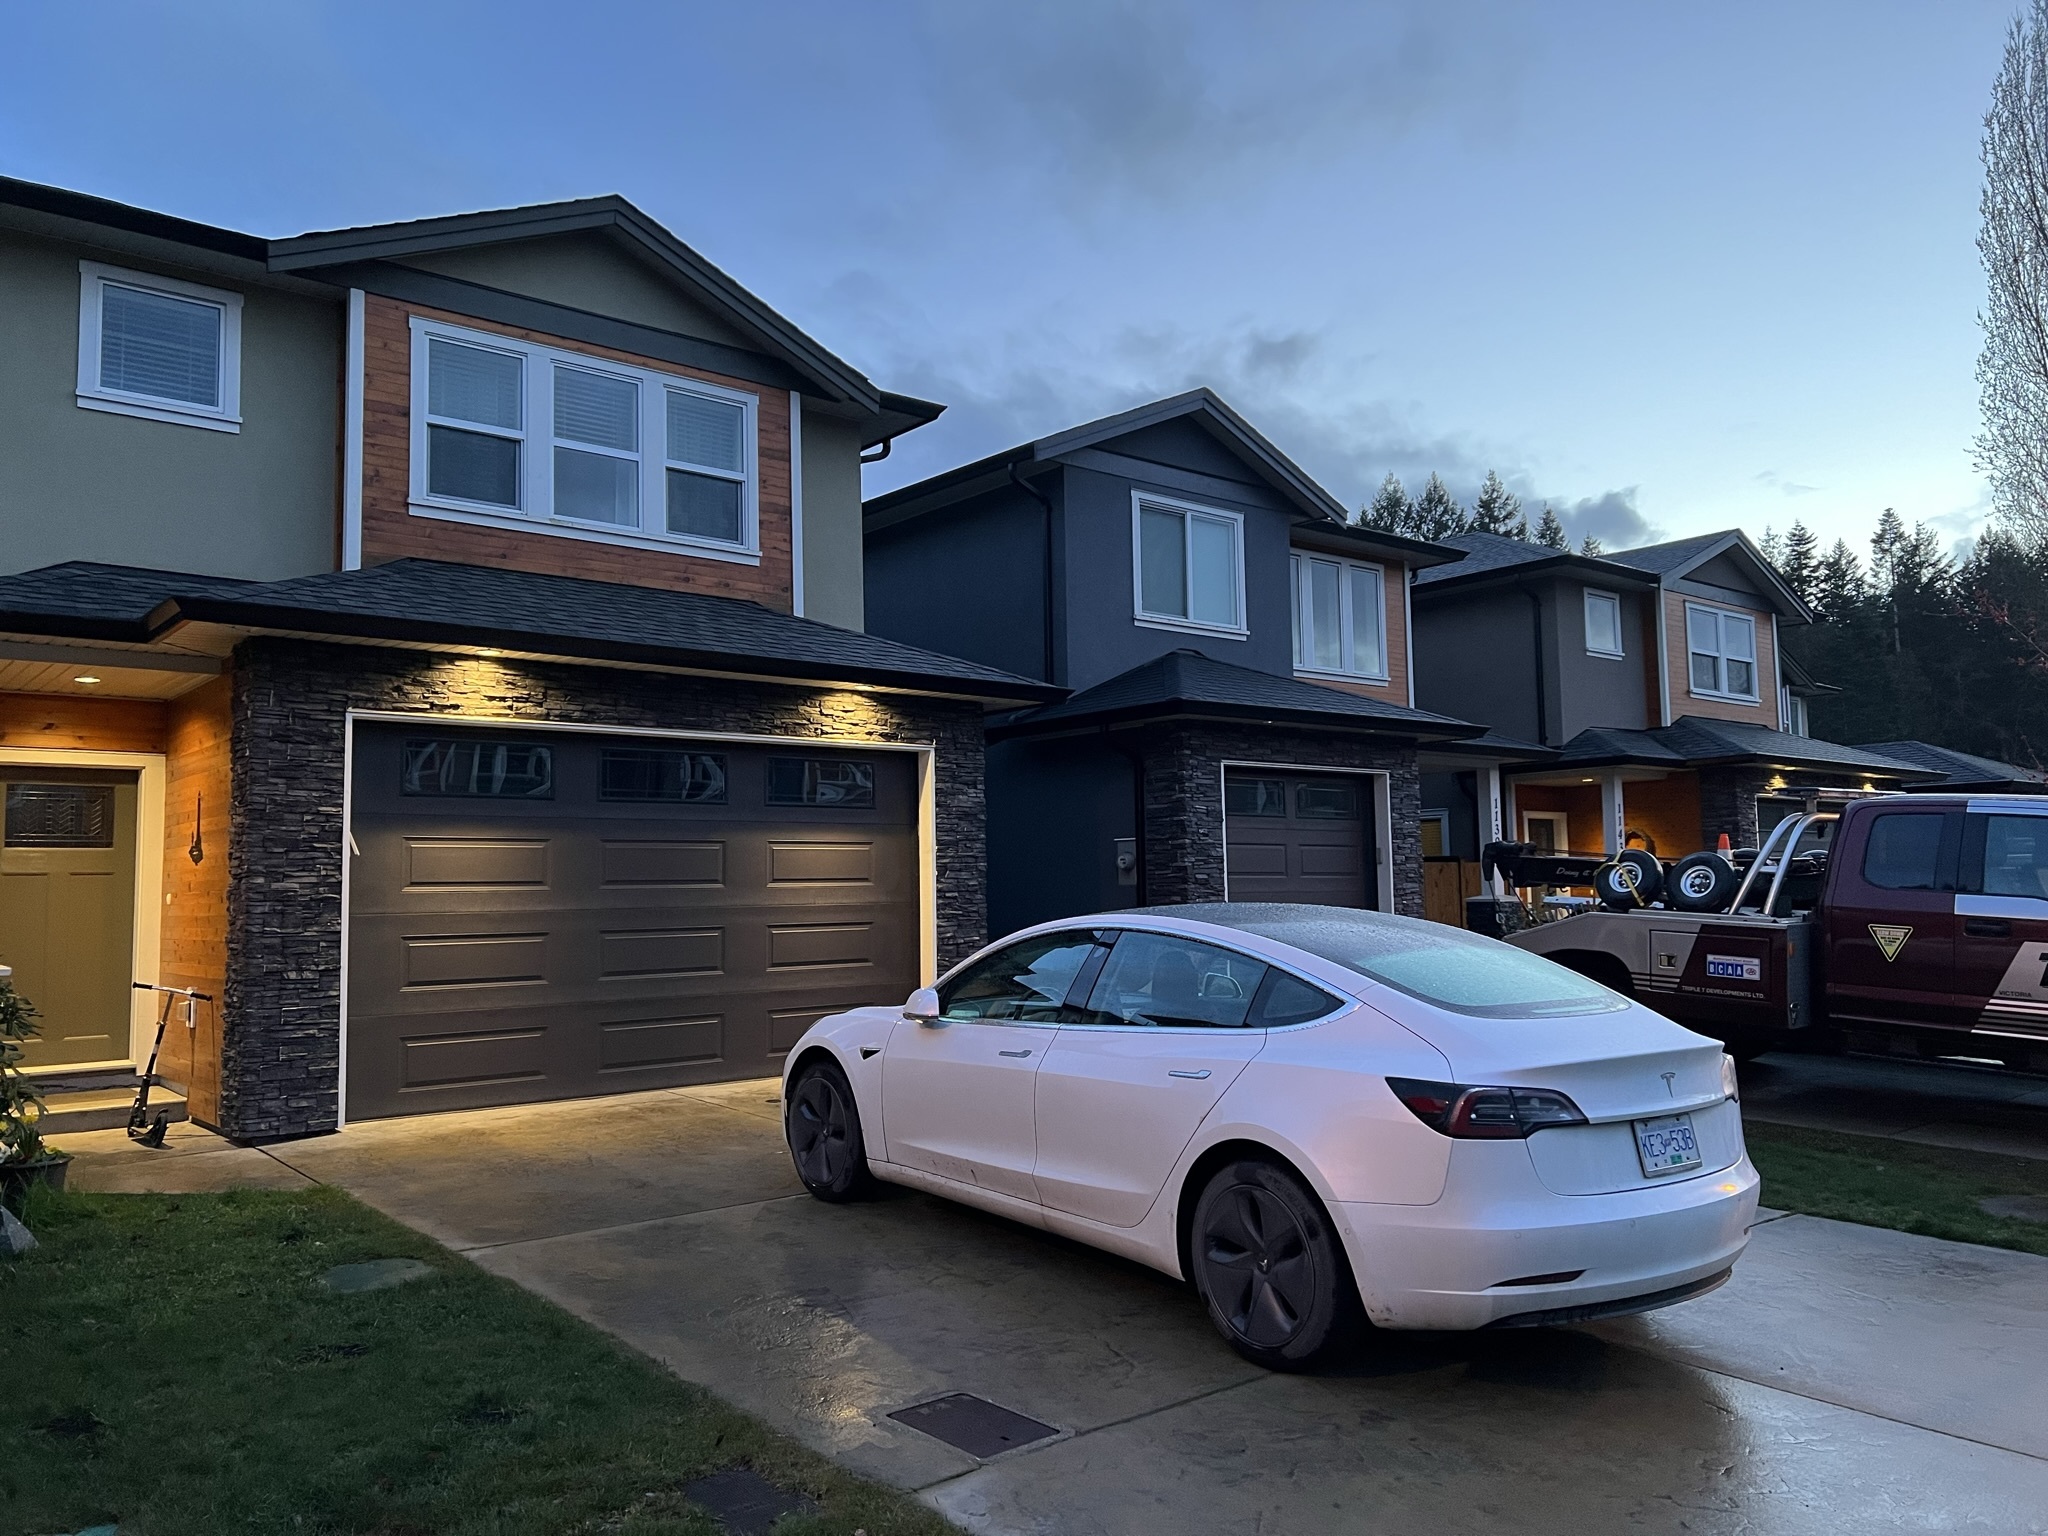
{"x": 159, "y": 348}
{"x": 1187, "y": 566}
{"x": 580, "y": 445}
{"x": 1603, "y": 624}
{"x": 1340, "y": 617}
{"x": 1721, "y": 648}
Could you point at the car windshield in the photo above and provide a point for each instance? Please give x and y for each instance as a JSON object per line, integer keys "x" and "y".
{"x": 1451, "y": 969}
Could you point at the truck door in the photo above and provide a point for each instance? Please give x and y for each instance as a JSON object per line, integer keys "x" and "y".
{"x": 1891, "y": 918}
{"x": 2002, "y": 915}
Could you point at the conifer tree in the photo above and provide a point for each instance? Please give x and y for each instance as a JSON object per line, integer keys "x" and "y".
{"x": 1549, "y": 531}
{"x": 1389, "y": 510}
{"x": 1840, "y": 589}
{"x": 1772, "y": 546}
{"x": 1499, "y": 510}
{"x": 1590, "y": 546}
{"x": 1800, "y": 562}
{"x": 1436, "y": 513}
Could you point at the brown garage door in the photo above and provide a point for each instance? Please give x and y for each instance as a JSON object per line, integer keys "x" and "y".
{"x": 537, "y": 917}
{"x": 1299, "y": 837}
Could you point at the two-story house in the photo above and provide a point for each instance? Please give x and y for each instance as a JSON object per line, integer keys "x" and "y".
{"x": 441, "y": 643}
{"x": 1655, "y": 678}
{"x": 1242, "y": 723}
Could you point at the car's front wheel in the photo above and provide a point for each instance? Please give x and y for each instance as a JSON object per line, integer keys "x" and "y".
{"x": 821, "y": 1122}
{"x": 1271, "y": 1269}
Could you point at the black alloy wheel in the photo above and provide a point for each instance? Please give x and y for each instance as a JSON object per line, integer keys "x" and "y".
{"x": 1270, "y": 1269}
{"x": 822, "y": 1125}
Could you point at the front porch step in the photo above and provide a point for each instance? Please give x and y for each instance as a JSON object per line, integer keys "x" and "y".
{"x": 102, "y": 1109}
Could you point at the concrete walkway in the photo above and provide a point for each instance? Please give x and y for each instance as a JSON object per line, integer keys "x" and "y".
{"x": 1848, "y": 1379}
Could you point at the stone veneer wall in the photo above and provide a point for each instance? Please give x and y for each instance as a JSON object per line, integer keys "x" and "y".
{"x": 281, "y": 1015}
{"x": 1728, "y": 804}
{"x": 1183, "y": 855}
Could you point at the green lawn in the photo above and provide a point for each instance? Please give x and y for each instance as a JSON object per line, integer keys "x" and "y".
{"x": 1883, "y": 1183}
{"x": 173, "y": 1363}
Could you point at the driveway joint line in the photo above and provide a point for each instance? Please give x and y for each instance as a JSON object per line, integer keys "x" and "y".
{"x": 625, "y": 1226}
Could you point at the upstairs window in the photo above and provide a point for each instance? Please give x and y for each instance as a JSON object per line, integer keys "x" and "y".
{"x": 557, "y": 438}
{"x": 159, "y": 348}
{"x": 1603, "y": 624}
{"x": 1190, "y": 565}
{"x": 1722, "y": 646}
{"x": 1340, "y": 617}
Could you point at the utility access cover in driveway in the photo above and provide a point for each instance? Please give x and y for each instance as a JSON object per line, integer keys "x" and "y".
{"x": 973, "y": 1424}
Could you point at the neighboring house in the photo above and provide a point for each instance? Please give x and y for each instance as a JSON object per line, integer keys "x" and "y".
{"x": 411, "y": 636}
{"x": 1655, "y": 678}
{"x": 1243, "y": 722}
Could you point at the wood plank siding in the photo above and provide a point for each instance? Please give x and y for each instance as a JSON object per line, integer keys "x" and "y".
{"x": 55, "y": 721}
{"x": 1683, "y": 700}
{"x": 1394, "y": 690}
{"x": 194, "y": 944}
{"x": 392, "y": 532}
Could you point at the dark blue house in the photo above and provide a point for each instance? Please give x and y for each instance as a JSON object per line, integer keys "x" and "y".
{"x": 1242, "y": 722}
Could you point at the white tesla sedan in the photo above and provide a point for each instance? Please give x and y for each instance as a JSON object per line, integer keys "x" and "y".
{"x": 1310, "y": 1112}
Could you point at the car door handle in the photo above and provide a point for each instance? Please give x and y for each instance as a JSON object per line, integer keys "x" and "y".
{"x": 1198, "y": 1076}
{"x": 1987, "y": 928}
{"x": 1013, "y": 1053}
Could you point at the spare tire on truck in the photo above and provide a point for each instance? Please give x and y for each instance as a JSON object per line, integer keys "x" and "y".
{"x": 1701, "y": 882}
{"x": 1633, "y": 878}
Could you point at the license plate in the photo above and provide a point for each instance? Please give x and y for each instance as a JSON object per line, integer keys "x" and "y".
{"x": 1667, "y": 1145}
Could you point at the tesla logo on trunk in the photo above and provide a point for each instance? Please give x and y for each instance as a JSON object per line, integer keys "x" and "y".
{"x": 1891, "y": 938}
{"x": 1669, "y": 1079}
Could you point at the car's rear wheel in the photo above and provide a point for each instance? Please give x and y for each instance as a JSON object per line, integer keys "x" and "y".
{"x": 1271, "y": 1269}
{"x": 821, "y": 1122}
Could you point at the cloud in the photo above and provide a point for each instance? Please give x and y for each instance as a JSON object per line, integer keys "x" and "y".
{"x": 1612, "y": 517}
{"x": 1777, "y": 482}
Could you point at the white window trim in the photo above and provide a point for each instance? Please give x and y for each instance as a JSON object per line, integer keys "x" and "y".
{"x": 93, "y": 278}
{"x": 1595, "y": 650}
{"x": 1148, "y": 620}
{"x": 536, "y": 435}
{"x": 1297, "y": 565}
{"x": 1751, "y": 697}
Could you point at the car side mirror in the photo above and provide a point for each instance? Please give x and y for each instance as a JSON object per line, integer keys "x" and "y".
{"x": 923, "y": 1006}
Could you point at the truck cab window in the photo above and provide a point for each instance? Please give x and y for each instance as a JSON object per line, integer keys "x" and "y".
{"x": 2015, "y": 856}
{"x": 1904, "y": 852}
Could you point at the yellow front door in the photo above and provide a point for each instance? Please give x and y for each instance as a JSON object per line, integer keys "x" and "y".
{"x": 67, "y": 908}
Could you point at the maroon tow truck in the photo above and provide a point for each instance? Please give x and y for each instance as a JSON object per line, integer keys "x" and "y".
{"x": 1915, "y": 925}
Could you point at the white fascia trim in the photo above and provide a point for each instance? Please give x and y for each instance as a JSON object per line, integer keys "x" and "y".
{"x": 1383, "y": 815}
{"x": 925, "y": 752}
{"x": 796, "y": 503}
{"x": 352, "y": 439}
{"x": 95, "y": 275}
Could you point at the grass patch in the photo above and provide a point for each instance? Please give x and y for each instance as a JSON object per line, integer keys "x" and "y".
{"x": 1899, "y": 1184}
{"x": 173, "y": 1364}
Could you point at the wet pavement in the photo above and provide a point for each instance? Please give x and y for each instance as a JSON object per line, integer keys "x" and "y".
{"x": 1848, "y": 1379}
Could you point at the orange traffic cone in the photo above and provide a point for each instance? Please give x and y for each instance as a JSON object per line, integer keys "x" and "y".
{"x": 1723, "y": 845}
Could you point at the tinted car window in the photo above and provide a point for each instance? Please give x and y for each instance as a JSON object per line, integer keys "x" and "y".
{"x": 1443, "y": 966}
{"x": 1283, "y": 999}
{"x": 1027, "y": 980}
{"x": 1162, "y": 979}
{"x": 1904, "y": 852}
{"x": 2015, "y": 856}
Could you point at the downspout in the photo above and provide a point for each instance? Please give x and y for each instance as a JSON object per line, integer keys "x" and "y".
{"x": 1137, "y": 762}
{"x": 1045, "y": 502}
{"x": 1536, "y": 651}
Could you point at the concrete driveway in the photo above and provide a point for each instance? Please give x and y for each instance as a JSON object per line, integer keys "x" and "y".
{"x": 1847, "y": 1380}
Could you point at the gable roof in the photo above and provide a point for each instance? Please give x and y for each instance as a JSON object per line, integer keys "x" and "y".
{"x": 1319, "y": 510}
{"x": 1678, "y": 558}
{"x": 343, "y": 256}
{"x": 466, "y": 607}
{"x": 1496, "y": 556}
{"x": 1960, "y": 770}
{"x": 1187, "y": 683}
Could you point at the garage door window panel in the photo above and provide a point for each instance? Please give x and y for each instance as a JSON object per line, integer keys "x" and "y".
{"x": 838, "y": 782}
{"x": 652, "y": 775}
{"x": 459, "y": 768}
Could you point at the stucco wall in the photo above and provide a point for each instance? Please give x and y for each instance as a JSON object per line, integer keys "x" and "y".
{"x": 79, "y": 484}
{"x": 281, "y": 1014}
{"x": 834, "y": 589}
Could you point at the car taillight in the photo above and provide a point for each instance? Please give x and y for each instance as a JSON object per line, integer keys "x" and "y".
{"x": 1484, "y": 1114}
